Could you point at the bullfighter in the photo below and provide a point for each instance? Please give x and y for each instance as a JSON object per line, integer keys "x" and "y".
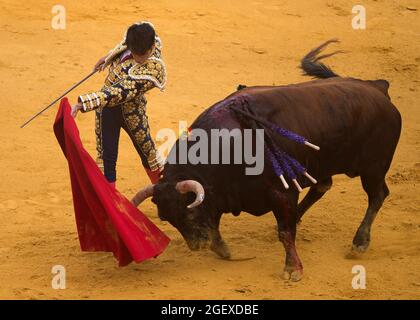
{"x": 135, "y": 67}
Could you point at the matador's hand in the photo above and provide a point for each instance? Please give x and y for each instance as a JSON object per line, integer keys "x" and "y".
{"x": 100, "y": 65}
{"x": 75, "y": 109}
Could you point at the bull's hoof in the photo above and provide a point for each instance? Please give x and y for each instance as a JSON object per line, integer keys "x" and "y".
{"x": 361, "y": 241}
{"x": 193, "y": 246}
{"x": 221, "y": 249}
{"x": 360, "y": 248}
{"x": 293, "y": 275}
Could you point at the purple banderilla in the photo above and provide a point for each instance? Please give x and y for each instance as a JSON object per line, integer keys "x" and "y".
{"x": 293, "y": 168}
{"x": 292, "y": 136}
{"x": 282, "y": 163}
{"x": 289, "y": 165}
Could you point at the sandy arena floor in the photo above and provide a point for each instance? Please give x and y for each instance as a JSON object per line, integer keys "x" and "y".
{"x": 209, "y": 47}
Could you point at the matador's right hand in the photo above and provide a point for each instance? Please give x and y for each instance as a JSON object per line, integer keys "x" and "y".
{"x": 100, "y": 65}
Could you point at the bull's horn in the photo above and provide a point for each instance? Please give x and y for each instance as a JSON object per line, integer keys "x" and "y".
{"x": 191, "y": 186}
{"x": 143, "y": 194}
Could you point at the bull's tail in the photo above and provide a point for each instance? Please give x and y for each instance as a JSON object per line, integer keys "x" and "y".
{"x": 312, "y": 66}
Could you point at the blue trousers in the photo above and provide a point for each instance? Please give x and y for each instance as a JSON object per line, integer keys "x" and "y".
{"x": 112, "y": 120}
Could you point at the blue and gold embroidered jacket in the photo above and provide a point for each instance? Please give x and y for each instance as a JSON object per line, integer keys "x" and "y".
{"x": 125, "y": 86}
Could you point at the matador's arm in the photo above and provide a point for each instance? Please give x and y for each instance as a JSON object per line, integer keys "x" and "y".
{"x": 116, "y": 94}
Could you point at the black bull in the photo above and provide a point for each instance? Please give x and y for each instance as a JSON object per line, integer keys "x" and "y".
{"x": 354, "y": 123}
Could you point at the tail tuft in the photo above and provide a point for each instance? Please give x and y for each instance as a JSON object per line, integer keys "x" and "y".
{"x": 312, "y": 66}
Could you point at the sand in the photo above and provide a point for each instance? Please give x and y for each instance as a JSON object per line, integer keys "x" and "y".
{"x": 209, "y": 47}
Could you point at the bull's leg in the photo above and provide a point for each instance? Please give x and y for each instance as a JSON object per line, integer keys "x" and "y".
{"x": 286, "y": 214}
{"x": 218, "y": 245}
{"x": 314, "y": 194}
{"x": 377, "y": 191}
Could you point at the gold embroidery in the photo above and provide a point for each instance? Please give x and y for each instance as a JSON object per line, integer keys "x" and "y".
{"x": 133, "y": 121}
{"x": 150, "y": 71}
{"x": 147, "y": 146}
{"x": 125, "y": 86}
{"x": 145, "y": 121}
{"x": 140, "y": 135}
{"x": 129, "y": 107}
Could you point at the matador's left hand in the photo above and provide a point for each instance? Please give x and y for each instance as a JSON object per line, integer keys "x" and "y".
{"x": 75, "y": 108}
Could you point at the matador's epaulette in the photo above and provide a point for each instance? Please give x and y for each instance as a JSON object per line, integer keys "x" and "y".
{"x": 153, "y": 70}
{"x": 121, "y": 47}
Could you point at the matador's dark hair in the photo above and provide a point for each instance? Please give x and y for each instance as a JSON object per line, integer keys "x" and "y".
{"x": 140, "y": 38}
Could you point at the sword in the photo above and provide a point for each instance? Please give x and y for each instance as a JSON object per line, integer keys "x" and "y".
{"x": 73, "y": 87}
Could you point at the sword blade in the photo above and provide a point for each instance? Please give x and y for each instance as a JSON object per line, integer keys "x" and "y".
{"x": 70, "y": 89}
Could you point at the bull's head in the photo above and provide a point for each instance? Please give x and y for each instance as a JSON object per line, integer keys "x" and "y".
{"x": 179, "y": 203}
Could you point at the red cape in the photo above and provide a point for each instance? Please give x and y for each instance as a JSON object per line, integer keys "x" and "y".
{"x": 106, "y": 220}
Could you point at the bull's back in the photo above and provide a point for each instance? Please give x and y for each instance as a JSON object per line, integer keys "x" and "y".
{"x": 353, "y": 121}
{"x": 336, "y": 104}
